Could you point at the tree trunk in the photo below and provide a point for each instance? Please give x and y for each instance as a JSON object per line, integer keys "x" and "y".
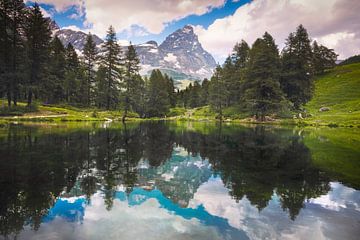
{"x": 8, "y": 94}
{"x": 29, "y": 97}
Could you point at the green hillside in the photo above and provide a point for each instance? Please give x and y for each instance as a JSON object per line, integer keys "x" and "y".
{"x": 339, "y": 90}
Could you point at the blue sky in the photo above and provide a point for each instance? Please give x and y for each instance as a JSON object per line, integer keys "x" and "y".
{"x": 218, "y": 23}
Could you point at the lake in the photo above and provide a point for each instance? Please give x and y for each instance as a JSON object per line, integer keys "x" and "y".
{"x": 158, "y": 180}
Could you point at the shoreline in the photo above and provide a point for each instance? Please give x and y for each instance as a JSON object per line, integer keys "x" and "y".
{"x": 76, "y": 119}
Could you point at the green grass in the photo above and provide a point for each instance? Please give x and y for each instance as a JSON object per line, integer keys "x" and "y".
{"x": 59, "y": 113}
{"x": 339, "y": 90}
{"x": 18, "y": 110}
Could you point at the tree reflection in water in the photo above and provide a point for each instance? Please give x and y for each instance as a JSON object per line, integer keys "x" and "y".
{"x": 38, "y": 166}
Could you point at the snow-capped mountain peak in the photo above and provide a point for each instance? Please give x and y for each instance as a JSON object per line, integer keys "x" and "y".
{"x": 180, "y": 54}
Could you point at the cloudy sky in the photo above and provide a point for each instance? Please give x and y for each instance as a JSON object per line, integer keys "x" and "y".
{"x": 218, "y": 23}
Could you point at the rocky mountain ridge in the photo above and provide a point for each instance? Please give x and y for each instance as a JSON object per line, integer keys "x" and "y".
{"x": 179, "y": 55}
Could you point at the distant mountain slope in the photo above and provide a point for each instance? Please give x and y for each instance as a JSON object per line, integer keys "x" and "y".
{"x": 76, "y": 38}
{"x": 180, "y": 55}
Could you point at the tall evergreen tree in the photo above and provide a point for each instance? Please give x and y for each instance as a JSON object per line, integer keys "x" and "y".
{"x": 90, "y": 57}
{"x": 12, "y": 18}
{"x": 157, "y": 102}
{"x": 101, "y": 87}
{"x": 38, "y": 37}
{"x": 171, "y": 90}
{"x": 296, "y": 80}
{"x": 240, "y": 58}
{"x": 194, "y": 100}
{"x": 73, "y": 75}
{"x": 262, "y": 87}
{"x": 113, "y": 63}
{"x": 204, "y": 94}
{"x": 323, "y": 58}
{"x": 130, "y": 80}
{"x": 240, "y": 54}
{"x": 231, "y": 81}
{"x": 52, "y": 88}
{"x": 218, "y": 92}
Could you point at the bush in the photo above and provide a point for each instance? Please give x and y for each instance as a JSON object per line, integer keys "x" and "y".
{"x": 17, "y": 110}
{"x": 178, "y": 111}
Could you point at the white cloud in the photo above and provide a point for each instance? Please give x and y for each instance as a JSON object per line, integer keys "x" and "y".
{"x": 315, "y": 221}
{"x": 74, "y": 28}
{"x": 332, "y": 22}
{"x": 151, "y": 15}
{"x": 145, "y": 221}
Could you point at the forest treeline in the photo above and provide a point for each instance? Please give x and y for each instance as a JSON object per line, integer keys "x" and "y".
{"x": 258, "y": 80}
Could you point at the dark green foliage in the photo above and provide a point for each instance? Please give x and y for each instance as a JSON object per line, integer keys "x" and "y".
{"x": 240, "y": 55}
{"x": 74, "y": 75}
{"x": 262, "y": 87}
{"x": 157, "y": 99}
{"x": 297, "y": 69}
{"x": 204, "y": 92}
{"x": 323, "y": 58}
{"x": 12, "y": 51}
{"x": 132, "y": 82}
{"x": 52, "y": 89}
{"x": 38, "y": 37}
{"x": 112, "y": 63}
{"x": 231, "y": 81}
{"x": 195, "y": 91}
{"x": 170, "y": 90}
{"x": 218, "y": 94}
{"x": 90, "y": 57}
{"x": 101, "y": 87}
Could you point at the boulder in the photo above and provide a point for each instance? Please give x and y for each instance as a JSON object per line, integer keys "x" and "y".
{"x": 324, "y": 109}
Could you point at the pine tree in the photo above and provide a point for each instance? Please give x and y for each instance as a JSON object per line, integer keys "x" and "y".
{"x": 170, "y": 90}
{"x": 231, "y": 81}
{"x": 195, "y": 95}
{"x": 12, "y": 18}
{"x": 218, "y": 92}
{"x": 101, "y": 87}
{"x": 157, "y": 99}
{"x": 204, "y": 93}
{"x": 240, "y": 55}
{"x": 323, "y": 58}
{"x": 240, "y": 58}
{"x": 73, "y": 75}
{"x": 296, "y": 80}
{"x": 113, "y": 63}
{"x": 262, "y": 86}
{"x": 89, "y": 57}
{"x": 131, "y": 80}
{"x": 38, "y": 37}
{"x": 52, "y": 88}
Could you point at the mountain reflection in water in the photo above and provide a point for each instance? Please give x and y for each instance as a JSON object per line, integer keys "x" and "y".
{"x": 167, "y": 181}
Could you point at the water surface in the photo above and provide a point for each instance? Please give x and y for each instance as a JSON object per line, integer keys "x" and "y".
{"x": 178, "y": 181}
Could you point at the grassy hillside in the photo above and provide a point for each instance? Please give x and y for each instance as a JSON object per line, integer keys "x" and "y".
{"x": 338, "y": 90}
